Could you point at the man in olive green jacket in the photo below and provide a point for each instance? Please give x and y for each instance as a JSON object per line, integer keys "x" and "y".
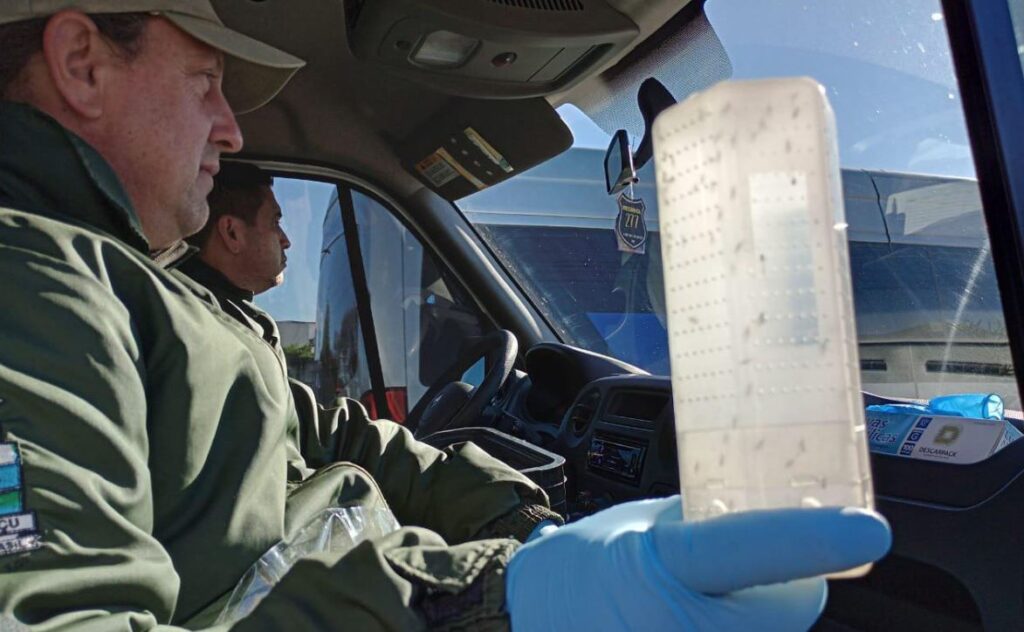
{"x": 143, "y": 461}
{"x": 240, "y": 252}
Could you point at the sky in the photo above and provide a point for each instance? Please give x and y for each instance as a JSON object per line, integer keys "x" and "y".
{"x": 886, "y": 68}
{"x": 585, "y": 132}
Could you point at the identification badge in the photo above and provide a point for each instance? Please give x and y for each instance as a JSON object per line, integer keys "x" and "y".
{"x": 630, "y": 225}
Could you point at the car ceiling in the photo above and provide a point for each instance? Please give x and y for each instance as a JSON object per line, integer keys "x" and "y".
{"x": 339, "y": 112}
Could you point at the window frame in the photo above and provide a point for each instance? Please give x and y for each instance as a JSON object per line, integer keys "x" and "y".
{"x": 357, "y": 266}
{"x": 364, "y": 306}
{"x": 345, "y": 184}
{"x": 991, "y": 79}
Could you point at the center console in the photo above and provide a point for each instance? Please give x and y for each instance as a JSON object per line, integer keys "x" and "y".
{"x": 620, "y": 443}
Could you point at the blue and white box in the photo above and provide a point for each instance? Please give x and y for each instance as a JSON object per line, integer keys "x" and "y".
{"x": 937, "y": 437}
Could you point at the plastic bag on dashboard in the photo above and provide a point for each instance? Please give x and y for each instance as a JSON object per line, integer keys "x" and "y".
{"x": 337, "y": 529}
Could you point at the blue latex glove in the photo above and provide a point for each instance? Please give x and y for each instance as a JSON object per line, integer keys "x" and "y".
{"x": 976, "y": 405}
{"x": 637, "y": 566}
{"x": 901, "y": 409}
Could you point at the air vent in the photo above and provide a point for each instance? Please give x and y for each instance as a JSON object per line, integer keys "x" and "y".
{"x": 583, "y": 412}
{"x": 543, "y": 5}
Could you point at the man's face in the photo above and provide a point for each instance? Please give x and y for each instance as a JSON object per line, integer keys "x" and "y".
{"x": 169, "y": 124}
{"x": 264, "y": 244}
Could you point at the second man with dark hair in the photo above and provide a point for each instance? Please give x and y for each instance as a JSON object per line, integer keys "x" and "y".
{"x": 242, "y": 246}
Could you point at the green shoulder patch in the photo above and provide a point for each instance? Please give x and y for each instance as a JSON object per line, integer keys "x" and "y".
{"x": 19, "y": 532}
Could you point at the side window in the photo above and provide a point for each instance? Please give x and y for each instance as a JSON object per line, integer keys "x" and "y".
{"x": 316, "y": 310}
{"x": 422, "y": 316}
{"x": 340, "y": 349}
{"x": 929, "y": 315}
{"x": 326, "y": 307}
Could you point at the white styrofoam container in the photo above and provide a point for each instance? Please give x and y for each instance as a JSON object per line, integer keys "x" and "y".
{"x": 765, "y": 373}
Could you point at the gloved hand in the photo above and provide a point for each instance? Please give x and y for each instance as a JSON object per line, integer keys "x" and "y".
{"x": 637, "y": 566}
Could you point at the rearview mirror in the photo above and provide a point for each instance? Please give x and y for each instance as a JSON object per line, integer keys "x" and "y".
{"x": 618, "y": 164}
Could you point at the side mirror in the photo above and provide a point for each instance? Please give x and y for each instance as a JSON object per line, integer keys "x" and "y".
{"x": 618, "y": 164}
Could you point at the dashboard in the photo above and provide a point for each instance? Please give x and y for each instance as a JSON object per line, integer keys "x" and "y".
{"x": 618, "y": 439}
{"x": 611, "y": 421}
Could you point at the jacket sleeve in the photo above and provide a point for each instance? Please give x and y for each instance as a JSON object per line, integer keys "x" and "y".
{"x": 75, "y": 452}
{"x": 461, "y": 492}
{"x": 408, "y": 580}
{"x": 302, "y": 427}
{"x": 73, "y": 416}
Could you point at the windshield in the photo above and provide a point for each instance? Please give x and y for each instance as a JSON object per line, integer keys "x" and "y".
{"x": 928, "y": 312}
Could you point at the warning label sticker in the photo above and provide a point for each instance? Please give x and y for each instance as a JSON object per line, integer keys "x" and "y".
{"x": 436, "y": 170}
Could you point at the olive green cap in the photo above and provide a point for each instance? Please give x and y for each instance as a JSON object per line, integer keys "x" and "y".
{"x": 254, "y": 72}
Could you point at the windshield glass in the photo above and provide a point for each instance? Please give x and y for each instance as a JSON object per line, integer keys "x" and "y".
{"x": 928, "y": 312}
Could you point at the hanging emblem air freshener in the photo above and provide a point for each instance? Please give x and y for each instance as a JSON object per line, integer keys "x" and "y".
{"x": 630, "y": 225}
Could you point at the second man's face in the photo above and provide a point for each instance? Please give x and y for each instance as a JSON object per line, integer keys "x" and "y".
{"x": 266, "y": 242}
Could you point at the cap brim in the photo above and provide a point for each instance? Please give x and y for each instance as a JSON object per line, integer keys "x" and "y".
{"x": 254, "y": 72}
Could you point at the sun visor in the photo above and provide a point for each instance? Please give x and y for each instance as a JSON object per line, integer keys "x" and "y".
{"x": 475, "y": 144}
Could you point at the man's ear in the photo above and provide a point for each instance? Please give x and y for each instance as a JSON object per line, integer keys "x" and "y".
{"x": 231, "y": 233}
{"x": 79, "y": 61}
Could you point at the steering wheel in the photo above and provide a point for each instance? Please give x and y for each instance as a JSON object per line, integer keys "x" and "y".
{"x": 451, "y": 403}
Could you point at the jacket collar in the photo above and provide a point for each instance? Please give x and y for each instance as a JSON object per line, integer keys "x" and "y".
{"x": 48, "y": 170}
{"x": 214, "y": 280}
